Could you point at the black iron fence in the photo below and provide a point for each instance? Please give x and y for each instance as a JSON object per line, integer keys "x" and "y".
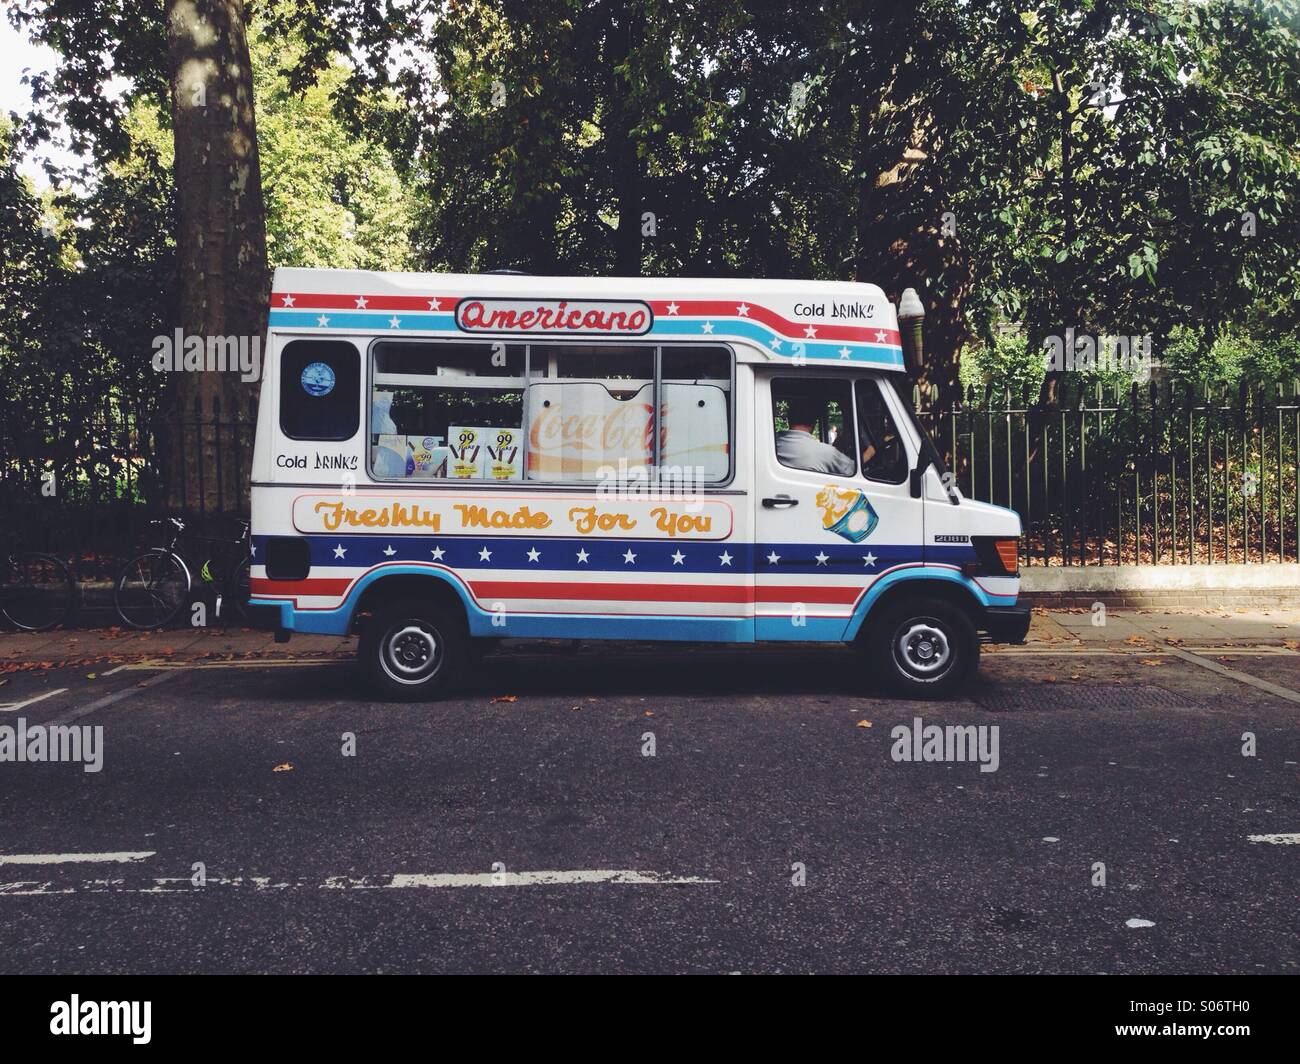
{"x": 1148, "y": 474}
{"x": 1141, "y": 475}
{"x": 86, "y": 483}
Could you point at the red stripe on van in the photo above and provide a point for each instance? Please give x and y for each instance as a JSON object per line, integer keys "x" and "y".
{"x": 591, "y": 591}
{"x": 319, "y": 586}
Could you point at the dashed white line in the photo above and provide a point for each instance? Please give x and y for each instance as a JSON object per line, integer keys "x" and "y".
{"x": 117, "y": 857}
{"x": 514, "y": 879}
{"x": 1284, "y": 839}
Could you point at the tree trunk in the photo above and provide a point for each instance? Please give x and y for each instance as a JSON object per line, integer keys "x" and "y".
{"x": 221, "y": 247}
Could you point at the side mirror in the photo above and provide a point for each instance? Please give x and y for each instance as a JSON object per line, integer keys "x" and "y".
{"x": 915, "y": 481}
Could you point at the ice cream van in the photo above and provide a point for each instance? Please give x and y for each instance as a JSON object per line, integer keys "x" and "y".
{"x": 446, "y": 460}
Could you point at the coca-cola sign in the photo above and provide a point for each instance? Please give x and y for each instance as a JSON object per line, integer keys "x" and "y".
{"x": 564, "y": 317}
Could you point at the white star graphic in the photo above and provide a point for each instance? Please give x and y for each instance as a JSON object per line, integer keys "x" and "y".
{"x": 437, "y": 553}
{"x": 707, "y": 327}
{"x": 679, "y": 558}
{"x": 361, "y": 302}
{"x": 288, "y": 300}
{"x": 724, "y": 558}
{"x": 810, "y": 332}
{"x": 881, "y": 336}
{"x": 868, "y": 559}
{"x": 485, "y": 555}
{"x": 821, "y": 557}
{"x": 322, "y": 321}
{"x": 582, "y": 557}
{"x": 340, "y": 550}
{"x": 773, "y": 558}
{"x": 845, "y": 352}
{"x": 252, "y": 551}
{"x": 434, "y": 304}
{"x": 629, "y": 558}
{"x": 774, "y": 344}
{"x": 388, "y": 551}
{"x": 672, "y": 308}
{"x": 394, "y": 322}
{"x": 743, "y": 310}
{"x": 534, "y": 554}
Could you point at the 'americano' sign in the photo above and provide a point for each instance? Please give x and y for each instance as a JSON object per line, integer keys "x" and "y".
{"x": 567, "y": 317}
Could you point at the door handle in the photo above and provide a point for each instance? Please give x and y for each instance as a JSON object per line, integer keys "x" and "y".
{"x": 779, "y": 500}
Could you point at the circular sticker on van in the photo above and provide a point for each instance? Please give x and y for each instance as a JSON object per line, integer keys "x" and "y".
{"x": 318, "y": 379}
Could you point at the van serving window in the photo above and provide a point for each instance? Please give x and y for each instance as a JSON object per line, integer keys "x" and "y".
{"x": 320, "y": 390}
{"x": 447, "y": 410}
{"x": 550, "y": 412}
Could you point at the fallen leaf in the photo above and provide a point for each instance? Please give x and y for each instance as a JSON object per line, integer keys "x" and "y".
{"x": 1150, "y": 661}
{"x": 91, "y": 675}
{"x": 864, "y": 724}
{"x": 649, "y": 713}
{"x": 1049, "y": 679}
{"x": 286, "y": 767}
{"x": 505, "y": 698}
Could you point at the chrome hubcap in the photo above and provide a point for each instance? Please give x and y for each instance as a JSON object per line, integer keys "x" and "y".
{"x": 923, "y": 648}
{"x": 411, "y": 653}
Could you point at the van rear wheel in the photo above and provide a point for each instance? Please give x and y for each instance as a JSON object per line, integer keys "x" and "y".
{"x": 927, "y": 647}
{"x": 413, "y": 650}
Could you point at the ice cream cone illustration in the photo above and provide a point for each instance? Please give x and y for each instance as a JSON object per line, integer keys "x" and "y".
{"x": 847, "y": 513}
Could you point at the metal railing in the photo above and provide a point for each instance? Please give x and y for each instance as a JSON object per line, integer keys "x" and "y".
{"x": 1141, "y": 475}
{"x": 1144, "y": 475}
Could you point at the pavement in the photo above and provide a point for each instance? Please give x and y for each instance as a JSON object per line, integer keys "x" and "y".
{"x": 649, "y": 808}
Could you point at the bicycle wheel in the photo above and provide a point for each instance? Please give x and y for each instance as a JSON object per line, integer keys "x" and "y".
{"x": 234, "y": 602}
{"x": 37, "y": 591}
{"x": 151, "y": 590}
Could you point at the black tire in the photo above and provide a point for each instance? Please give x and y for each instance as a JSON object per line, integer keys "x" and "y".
{"x": 234, "y": 598}
{"x": 151, "y": 590}
{"x": 413, "y": 651}
{"x": 926, "y": 647}
{"x": 37, "y": 591}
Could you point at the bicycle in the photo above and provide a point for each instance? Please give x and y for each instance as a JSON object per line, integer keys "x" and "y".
{"x": 153, "y": 587}
{"x": 37, "y": 591}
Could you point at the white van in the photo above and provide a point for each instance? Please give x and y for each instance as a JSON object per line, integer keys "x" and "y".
{"x": 443, "y": 459}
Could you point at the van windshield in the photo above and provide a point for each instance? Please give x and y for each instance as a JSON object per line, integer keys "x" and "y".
{"x": 930, "y": 454}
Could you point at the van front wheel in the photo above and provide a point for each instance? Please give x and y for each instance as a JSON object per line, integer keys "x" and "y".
{"x": 926, "y": 646}
{"x": 413, "y": 651}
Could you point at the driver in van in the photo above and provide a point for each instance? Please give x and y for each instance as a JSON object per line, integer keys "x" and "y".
{"x": 798, "y": 448}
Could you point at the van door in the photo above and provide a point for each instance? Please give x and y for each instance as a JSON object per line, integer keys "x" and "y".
{"x": 833, "y": 513}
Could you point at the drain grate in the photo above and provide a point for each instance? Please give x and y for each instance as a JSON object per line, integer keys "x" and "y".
{"x": 1079, "y": 696}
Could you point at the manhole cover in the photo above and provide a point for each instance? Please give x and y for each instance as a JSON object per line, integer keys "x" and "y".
{"x": 1078, "y": 696}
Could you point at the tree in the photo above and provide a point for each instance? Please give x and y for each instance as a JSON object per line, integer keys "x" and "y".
{"x": 194, "y": 53}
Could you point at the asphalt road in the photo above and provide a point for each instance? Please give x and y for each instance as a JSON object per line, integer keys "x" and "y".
{"x": 420, "y": 852}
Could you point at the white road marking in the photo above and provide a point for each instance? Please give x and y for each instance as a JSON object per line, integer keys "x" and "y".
{"x": 1136, "y": 922}
{"x": 151, "y": 666}
{"x": 183, "y": 885}
{"x": 1241, "y": 677}
{"x": 514, "y": 879}
{"x": 1285, "y": 839}
{"x": 14, "y": 707}
{"x": 120, "y": 857}
{"x": 108, "y": 700}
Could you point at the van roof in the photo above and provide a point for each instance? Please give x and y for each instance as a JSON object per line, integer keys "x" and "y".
{"x": 821, "y": 322}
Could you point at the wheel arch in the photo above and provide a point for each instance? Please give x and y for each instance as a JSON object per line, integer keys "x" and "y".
{"x": 948, "y": 585}
{"x": 408, "y": 584}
